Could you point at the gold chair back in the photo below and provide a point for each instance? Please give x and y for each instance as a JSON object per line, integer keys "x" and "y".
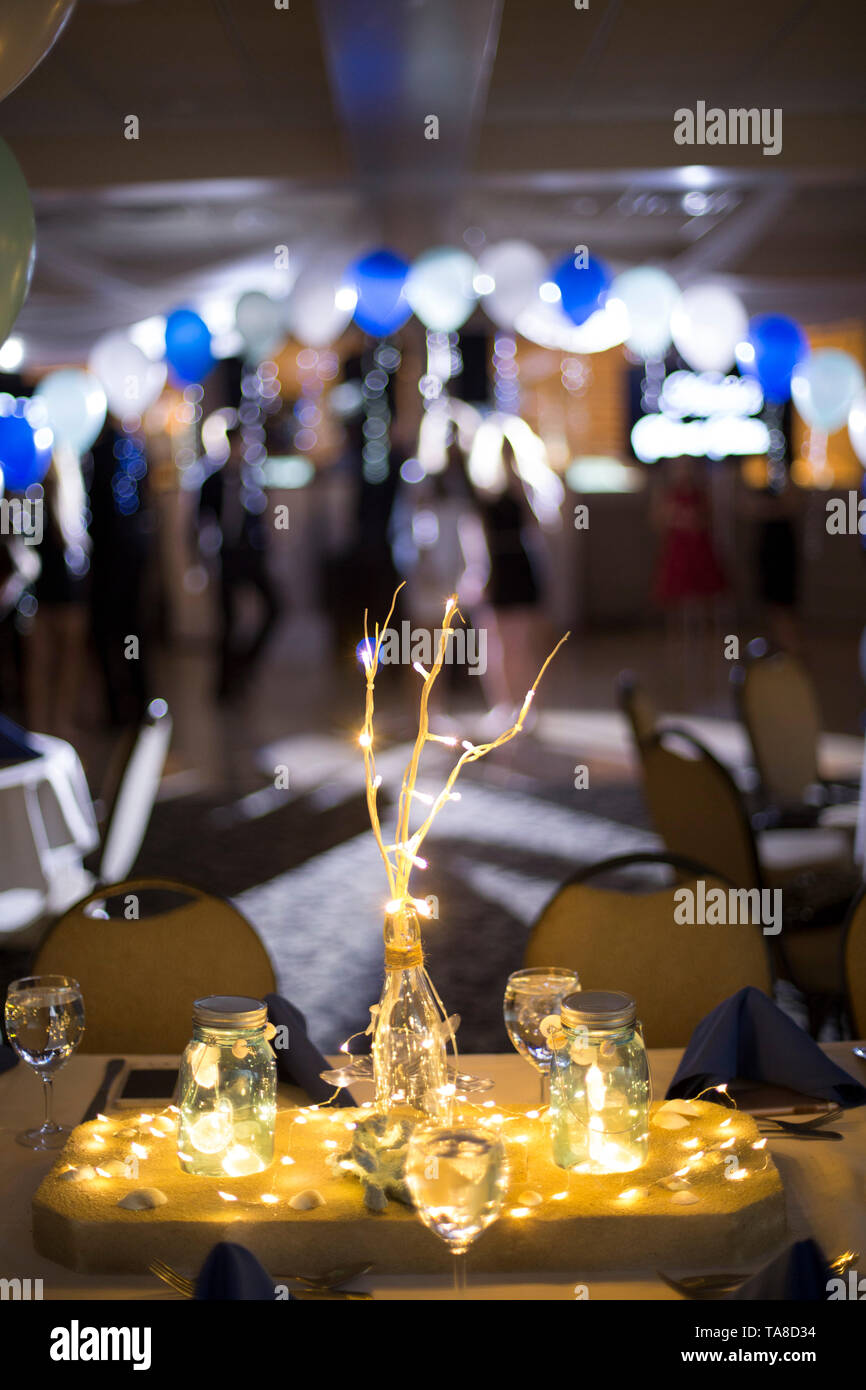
{"x": 139, "y": 977}
{"x": 697, "y": 809}
{"x": 631, "y": 941}
{"x": 638, "y": 707}
{"x": 782, "y": 719}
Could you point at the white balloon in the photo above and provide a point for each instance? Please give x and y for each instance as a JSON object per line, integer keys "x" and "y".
{"x": 131, "y": 381}
{"x": 857, "y": 427}
{"x": 28, "y": 30}
{"x": 825, "y": 387}
{"x": 707, "y": 323}
{"x": 320, "y": 306}
{"x": 516, "y": 269}
{"x": 73, "y": 405}
{"x": 549, "y": 326}
{"x": 649, "y": 295}
{"x": 259, "y": 321}
{"x": 439, "y": 288}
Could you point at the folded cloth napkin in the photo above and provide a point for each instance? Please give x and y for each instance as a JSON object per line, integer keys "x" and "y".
{"x": 800, "y": 1273}
{"x": 16, "y": 745}
{"x": 300, "y": 1062}
{"x": 748, "y": 1037}
{"x": 8, "y": 1058}
{"x": 231, "y": 1272}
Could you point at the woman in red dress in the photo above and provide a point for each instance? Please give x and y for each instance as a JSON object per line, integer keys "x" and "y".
{"x": 689, "y": 578}
{"x": 688, "y": 572}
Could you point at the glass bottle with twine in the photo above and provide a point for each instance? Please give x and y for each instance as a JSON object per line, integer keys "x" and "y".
{"x": 411, "y": 1032}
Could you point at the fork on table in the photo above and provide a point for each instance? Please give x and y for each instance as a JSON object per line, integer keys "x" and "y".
{"x": 315, "y": 1286}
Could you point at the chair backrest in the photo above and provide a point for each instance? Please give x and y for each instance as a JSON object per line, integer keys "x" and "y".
{"x": 779, "y": 709}
{"x": 130, "y": 814}
{"x": 854, "y": 963}
{"x": 637, "y": 706}
{"x": 140, "y": 977}
{"x": 697, "y": 809}
{"x": 676, "y": 972}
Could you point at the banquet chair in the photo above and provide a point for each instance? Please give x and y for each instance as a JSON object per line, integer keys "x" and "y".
{"x": 854, "y": 964}
{"x": 638, "y": 707}
{"x": 135, "y": 788}
{"x": 631, "y": 941}
{"x": 778, "y": 707}
{"x": 140, "y": 974}
{"x": 698, "y": 811}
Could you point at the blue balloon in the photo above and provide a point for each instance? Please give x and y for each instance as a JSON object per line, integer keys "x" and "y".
{"x": 778, "y": 344}
{"x": 22, "y": 461}
{"x": 188, "y": 345}
{"x": 379, "y": 281}
{"x": 583, "y": 287}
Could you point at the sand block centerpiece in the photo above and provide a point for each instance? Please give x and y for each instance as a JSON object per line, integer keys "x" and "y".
{"x": 709, "y": 1196}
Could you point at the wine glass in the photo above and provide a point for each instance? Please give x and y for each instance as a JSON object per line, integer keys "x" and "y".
{"x": 458, "y": 1178}
{"x": 44, "y": 1024}
{"x": 530, "y": 996}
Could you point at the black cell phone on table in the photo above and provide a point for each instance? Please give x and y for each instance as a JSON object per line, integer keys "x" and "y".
{"x": 151, "y": 1085}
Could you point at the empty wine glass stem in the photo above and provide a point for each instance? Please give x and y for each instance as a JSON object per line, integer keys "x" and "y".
{"x": 48, "y": 1093}
{"x": 459, "y": 1274}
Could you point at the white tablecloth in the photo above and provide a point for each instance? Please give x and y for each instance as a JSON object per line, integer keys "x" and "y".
{"x": 825, "y": 1187}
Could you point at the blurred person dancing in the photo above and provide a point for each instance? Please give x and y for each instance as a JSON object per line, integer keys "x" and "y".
{"x": 229, "y": 524}
{"x": 510, "y": 603}
{"x": 54, "y": 649}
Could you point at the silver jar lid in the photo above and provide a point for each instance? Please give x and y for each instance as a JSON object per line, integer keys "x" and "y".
{"x": 229, "y": 1011}
{"x": 598, "y": 1008}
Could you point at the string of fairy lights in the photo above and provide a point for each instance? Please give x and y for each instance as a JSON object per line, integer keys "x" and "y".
{"x": 524, "y": 1132}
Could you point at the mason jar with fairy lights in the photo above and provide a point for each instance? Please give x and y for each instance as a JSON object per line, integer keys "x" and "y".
{"x": 599, "y": 1084}
{"x": 228, "y": 1090}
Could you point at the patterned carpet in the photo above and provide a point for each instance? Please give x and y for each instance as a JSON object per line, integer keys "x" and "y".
{"x": 306, "y": 873}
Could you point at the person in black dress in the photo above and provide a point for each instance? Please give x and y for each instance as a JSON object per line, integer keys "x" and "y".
{"x": 511, "y": 597}
{"x": 777, "y": 561}
{"x": 226, "y": 503}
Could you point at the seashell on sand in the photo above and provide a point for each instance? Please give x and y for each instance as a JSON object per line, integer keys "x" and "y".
{"x": 115, "y": 1168}
{"x": 82, "y": 1174}
{"x": 681, "y": 1107}
{"x": 143, "y": 1199}
{"x": 306, "y": 1200}
{"x": 666, "y": 1119}
{"x": 529, "y": 1199}
{"x": 685, "y": 1198}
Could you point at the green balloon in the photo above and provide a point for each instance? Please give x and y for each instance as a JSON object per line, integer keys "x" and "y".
{"x": 17, "y": 240}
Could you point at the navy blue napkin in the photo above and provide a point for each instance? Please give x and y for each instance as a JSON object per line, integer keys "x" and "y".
{"x": 749, "y": 1038}
{"x": 8, "y": 1058}
{"x": 15, "y": 743}
{"x": 231, "y": 1272}
{"x": 799, "y": 1274}
{"x": 301, "y": 1062}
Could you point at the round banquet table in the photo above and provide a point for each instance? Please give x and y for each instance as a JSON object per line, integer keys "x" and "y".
{"x": 824, "y": 1189}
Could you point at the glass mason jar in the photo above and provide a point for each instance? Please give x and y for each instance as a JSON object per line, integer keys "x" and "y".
{"x": 600, "y": 1086}
{"x": 228, "y": 1090}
